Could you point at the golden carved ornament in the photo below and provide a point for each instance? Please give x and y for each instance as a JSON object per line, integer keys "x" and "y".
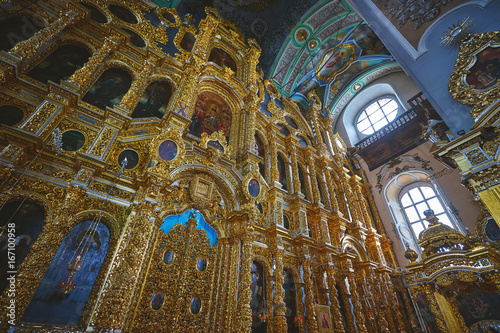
{"x": 218, "y": 137}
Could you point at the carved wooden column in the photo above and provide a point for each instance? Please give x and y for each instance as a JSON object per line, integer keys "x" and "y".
{"x": 252, "y": 115}
{"x": 363, "y": 205}
{"x": 358, "y": 309}
{"x": 82, "y": 76}
{"x": 334, "y": 301}
{"x": 312, "y": 112}
{"x": 312, "y": 325}
{"x": 312, "y": 176}
{"x": 187, "y": 87}
{"x": 280, "y": 324}
{"x": 117, "y": 293}
{"x": 244, "y": 315}
{"x": 366, "y": 190}
{"x": 347, "y": 305}
{"x": 252, "y": 55}
{"x": 271, "y": 129}
{"x": 28, "y": 48}
{"x": 330, "y": 188}
{"x": 137, "y": 88}
{"x": 378, "y": 300}
{"x": 429, "y": 293}
{"x": 356, "y": 209}
{"x": 291, "y": 145}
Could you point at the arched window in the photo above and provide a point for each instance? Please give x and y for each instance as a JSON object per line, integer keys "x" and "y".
{"x": 376, "y": 115}
{"x": 407, "y": 196}
{"x": 417, "y": 198}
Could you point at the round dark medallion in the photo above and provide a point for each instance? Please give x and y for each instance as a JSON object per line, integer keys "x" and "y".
{"x": 10, "y": 115}
{"x": 132, "y": 158}
{"x": 72, "y": 140}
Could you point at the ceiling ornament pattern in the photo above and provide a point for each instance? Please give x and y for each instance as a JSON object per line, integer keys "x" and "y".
{"x": 414, "y": 10}
{"x": 256, "y": 19}
{"x": 335, "y": 65}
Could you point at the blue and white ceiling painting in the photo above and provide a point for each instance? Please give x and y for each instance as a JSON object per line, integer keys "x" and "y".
{"x": 337, "y": 62}
{"x": 267, "y": 21}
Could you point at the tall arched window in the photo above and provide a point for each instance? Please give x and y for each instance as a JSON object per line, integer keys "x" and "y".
{"x": 376, "y": 115}
{"x": 417, "y": 198}
{"x": 408, "y": 195}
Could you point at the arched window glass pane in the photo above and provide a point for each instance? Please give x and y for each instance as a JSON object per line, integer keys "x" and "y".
{"x": 377, "y": 115}
{"x": 419, "y": 199}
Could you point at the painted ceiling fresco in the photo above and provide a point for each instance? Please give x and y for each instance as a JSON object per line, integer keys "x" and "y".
{"x": 267, "y": 21}
{"x": 337, "y": 62}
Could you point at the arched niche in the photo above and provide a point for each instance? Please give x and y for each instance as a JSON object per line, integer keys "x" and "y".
{"x": 302, "y": 181}
{"x": 222, "y": 58}
{"x": 16, "y": 29}
{"x": 258, "y": 299}
{"x": 290, "y": 299}
{"x": 60, "y": 64}
{"x": 51, "y": 304}
{"x": 24, "y": 219}
{"x": 282, "y": 174}
{"x": 154, "y": 101}
{"x": 109, "y": 88}
{"x": 261, "y": 151}
{"x": 211, "y": 114}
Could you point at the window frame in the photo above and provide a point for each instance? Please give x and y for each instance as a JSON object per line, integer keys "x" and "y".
{"x": 400, "y": 110}
{"x": 443, "y": 201}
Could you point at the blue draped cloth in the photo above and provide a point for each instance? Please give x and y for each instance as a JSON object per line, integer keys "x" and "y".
{"x": 172, "y": 220}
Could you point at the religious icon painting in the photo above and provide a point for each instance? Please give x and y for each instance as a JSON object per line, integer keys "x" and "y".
{"x": 188, "y": 41}
{"x": 157, "y": 300}
{"x": 168, "y": 150}
{"x": 253, "y": 188}
{"x": 211, "y": 114}
{"x": 123, "y": 14}
{"x": 154, "y": 101}
{"x": 485, "y": 72}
